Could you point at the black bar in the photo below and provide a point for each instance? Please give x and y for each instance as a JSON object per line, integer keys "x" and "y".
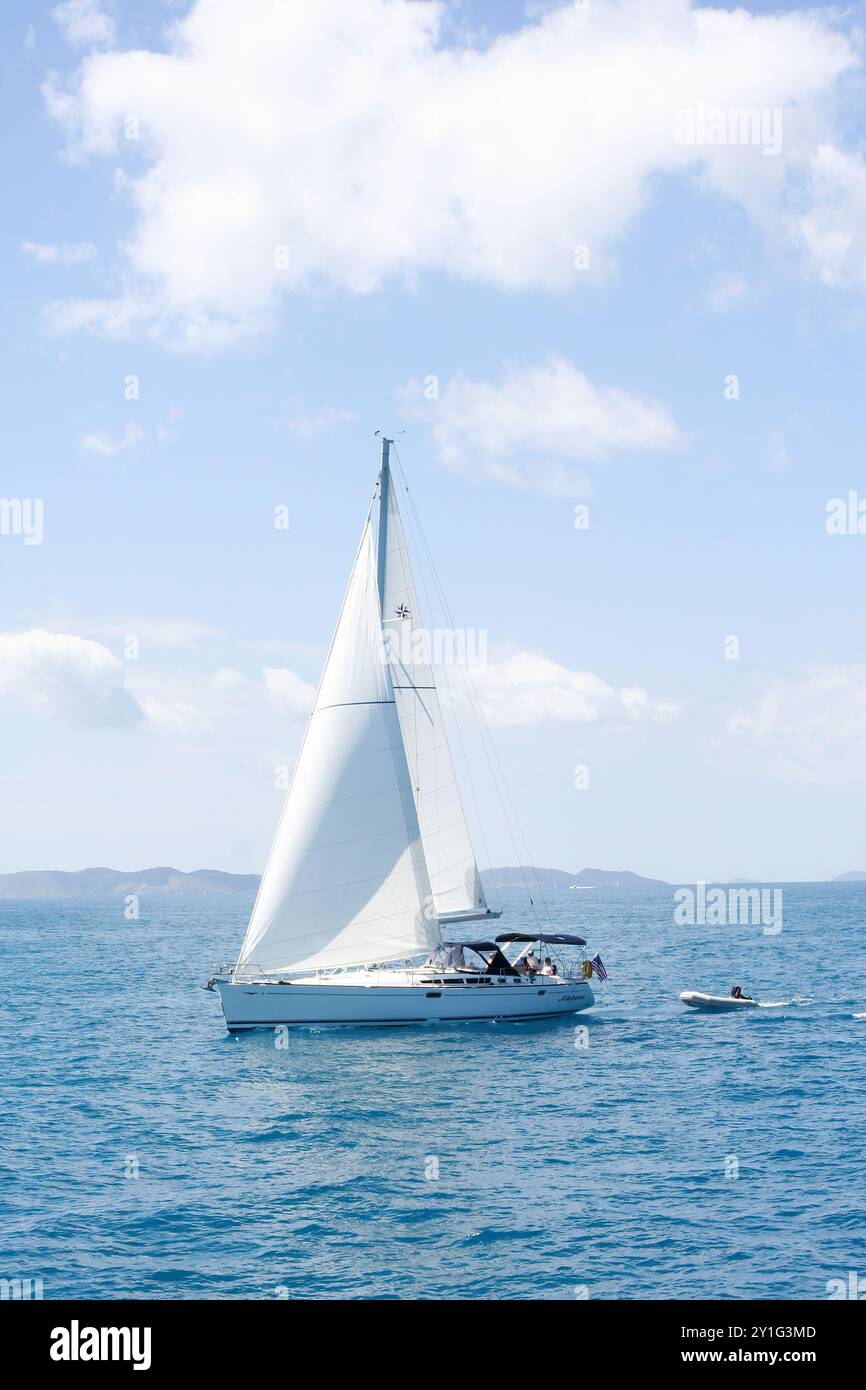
{"x": 252, "y": 1339}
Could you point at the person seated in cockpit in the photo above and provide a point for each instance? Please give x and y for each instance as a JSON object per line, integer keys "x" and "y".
{"x": 737, "y": 993}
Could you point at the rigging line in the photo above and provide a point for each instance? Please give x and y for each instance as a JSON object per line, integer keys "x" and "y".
{"x": 444, "y": 671}
{"x": 425, "y": 548}
{"x": 490, "y": 746}
{"x": 509, "y": 809}
{"x": 524, "y": 855}
{"x": 500, "y": 783}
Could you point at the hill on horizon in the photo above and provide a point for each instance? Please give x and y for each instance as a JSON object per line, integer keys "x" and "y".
{"x": 105, "y": 883}
{"x": 516, "y": 877}
{"x": 109, "y": 883}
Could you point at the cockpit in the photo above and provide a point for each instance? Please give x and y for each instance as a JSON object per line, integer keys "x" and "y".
{"x": 476, "y": 960}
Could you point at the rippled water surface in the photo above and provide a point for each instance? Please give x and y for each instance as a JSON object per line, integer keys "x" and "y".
{"x": 679, "y": 1155}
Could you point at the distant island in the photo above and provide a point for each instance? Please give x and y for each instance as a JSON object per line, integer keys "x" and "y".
{"x": 518, "y": 877}
{"x": 114, "y": 883}
{"x": 117, "y": 883}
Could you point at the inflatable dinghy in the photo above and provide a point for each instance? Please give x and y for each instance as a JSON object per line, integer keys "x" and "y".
{"x": 717, "y": 1002}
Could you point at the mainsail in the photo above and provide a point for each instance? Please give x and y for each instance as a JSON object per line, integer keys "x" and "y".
{"x": 346, "y": 882}
{"x": 454, "y": 877}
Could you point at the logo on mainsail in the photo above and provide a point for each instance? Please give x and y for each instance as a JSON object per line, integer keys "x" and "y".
{"x": 402, "y": 611}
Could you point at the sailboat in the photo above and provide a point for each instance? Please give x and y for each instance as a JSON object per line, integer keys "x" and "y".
{"x": 372, "y": 862}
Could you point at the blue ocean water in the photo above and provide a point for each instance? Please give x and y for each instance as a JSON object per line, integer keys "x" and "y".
{"x": 147, "y": 1153}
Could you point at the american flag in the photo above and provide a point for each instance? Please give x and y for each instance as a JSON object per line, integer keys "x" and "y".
{"x": 598, "y": 966}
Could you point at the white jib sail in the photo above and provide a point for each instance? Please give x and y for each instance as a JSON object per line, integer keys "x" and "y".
{"x": 346, "y": 882}
{"x": 454, "y": 877}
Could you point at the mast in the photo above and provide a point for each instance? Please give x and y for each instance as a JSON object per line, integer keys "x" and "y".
{"x": 382, "y": 550}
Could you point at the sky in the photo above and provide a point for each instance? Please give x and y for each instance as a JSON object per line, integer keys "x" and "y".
{"x": 615, "y": 325}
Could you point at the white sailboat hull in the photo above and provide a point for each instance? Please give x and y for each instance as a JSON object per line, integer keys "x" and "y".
{"x": 368, "y": 1000}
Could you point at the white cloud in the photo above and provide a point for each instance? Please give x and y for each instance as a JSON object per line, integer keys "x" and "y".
{"x": 725, "y": 290}
{"x": 59, "y": 253}
{"x": 308, "y": 426}
{"x": 84, "y": 22}
{"x": 163, "y": 428}
{"x": 226, "y": 678}
{"x": 150, "y": 632}
{"x": 116, "y": 318}
{"x": 130, "y": 437}
{"x": 779, "y": 455}
{"x": 288, "y": 690}
{"x": 833, "y": 230}
{"x": 528, "y": 688}
{"x": 537, "y": 422}
{"x": 311, "y": 650}
{"x": 134, "y": 315}
{"x": 174, "y": 716}
{"x": 102, "y": 442}
{"x": 222, "y": 700}
{"x": 79, "y": 679}
{"x": 55, "y": 673}
{"x": 357, "y": 146}
{"x": 809, "y": 725}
